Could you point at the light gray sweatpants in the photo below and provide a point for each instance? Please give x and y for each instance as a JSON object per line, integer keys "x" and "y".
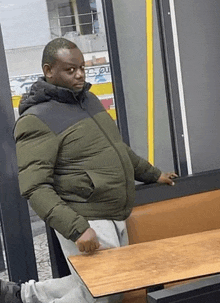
{"x": 71, "y": 289}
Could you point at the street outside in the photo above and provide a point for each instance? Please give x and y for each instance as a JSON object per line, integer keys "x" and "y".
{"x": 41, "y": 250}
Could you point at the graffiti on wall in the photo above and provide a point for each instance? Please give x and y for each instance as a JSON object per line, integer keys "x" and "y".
{"x": 99, "y": 76}
{"x": 95, "y": 75}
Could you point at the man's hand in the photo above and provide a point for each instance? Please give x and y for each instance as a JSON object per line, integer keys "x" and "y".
{"x": 167, "y": 178}
{"x": 88, "y": 241}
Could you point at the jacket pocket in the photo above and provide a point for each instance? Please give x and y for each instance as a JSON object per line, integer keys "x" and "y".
{"x": 94, "y": 184}
{"x": 100, "y": 184}
{"x": 75, "y": 187}
{"x": 87, "y": 186}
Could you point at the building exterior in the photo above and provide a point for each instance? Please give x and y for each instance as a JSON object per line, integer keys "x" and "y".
{"x": 28, "y": 25}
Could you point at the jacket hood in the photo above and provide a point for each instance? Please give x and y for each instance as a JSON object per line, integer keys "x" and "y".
{"x": 42, "y": 91}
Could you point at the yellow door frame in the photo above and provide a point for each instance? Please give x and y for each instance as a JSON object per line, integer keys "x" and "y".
{"x": 150, "y": 80}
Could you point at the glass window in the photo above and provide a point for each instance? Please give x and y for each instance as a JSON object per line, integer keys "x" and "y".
{"x": 66, "y": 18}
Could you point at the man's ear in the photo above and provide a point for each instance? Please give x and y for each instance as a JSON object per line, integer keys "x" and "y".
{"x": 47, "y": 69}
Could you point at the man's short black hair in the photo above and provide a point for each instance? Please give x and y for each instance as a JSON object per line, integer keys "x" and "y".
{"x": 51, "y": 49}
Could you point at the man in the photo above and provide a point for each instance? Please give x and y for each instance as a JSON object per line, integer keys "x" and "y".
{"x": 75, "y": 170}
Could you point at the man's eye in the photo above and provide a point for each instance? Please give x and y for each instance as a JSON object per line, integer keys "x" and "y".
{"x": 72, "y": 69}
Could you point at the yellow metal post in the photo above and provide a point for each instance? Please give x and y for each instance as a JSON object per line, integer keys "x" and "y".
{"x": 150, "y": 81}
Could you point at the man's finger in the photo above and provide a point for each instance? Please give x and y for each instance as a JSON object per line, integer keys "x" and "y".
{"x": 170, "y": 181}
{"x": 81, "y": 246}
{"x": 92, "y": 247}
{"x": 174, "y": 175}
{"x": 88, "y": 247}
{"x": 97, "y": 245}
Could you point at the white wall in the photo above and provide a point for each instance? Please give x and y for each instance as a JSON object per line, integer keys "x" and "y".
{"x": 24, "y": 23}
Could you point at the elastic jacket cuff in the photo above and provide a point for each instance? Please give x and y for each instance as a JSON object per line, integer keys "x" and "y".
{"x": 75, "y": 235}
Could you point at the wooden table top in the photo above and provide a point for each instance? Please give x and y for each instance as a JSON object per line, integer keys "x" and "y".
{"x": 151, "y": 263}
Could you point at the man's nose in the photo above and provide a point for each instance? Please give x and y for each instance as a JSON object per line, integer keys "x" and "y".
{"x": 79, "y": 73}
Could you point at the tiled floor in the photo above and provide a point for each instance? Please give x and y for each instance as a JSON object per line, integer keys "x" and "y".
{"x": 42, "y": 257}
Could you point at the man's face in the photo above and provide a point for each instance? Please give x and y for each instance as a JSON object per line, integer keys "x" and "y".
{"x": 68, "y": 71}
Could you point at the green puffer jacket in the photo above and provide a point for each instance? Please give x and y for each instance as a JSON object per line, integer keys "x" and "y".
{"x": 73, "y": 164}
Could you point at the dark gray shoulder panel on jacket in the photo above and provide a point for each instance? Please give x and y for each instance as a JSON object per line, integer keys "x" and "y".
{"x": 59, "y": 116}
{"x": 92, "y": 104}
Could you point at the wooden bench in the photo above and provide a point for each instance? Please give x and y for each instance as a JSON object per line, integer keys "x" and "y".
{"x": 171, "y": 218}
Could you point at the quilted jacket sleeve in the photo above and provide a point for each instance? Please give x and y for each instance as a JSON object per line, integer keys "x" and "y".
{"x": 143, "y": 170}
{"x": 37, "y": 149}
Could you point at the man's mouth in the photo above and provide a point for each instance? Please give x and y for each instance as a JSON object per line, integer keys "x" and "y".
{"x": 79, "y": 84}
